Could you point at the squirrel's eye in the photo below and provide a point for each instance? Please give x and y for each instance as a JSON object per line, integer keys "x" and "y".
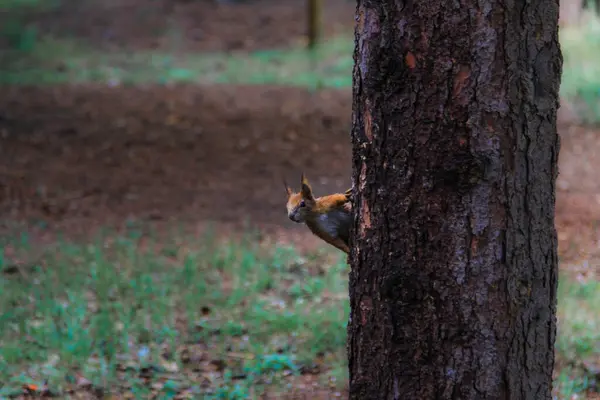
{"x": 302, "y": 204}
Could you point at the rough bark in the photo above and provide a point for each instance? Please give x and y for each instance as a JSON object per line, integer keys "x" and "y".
{"x": 455, "y": 146}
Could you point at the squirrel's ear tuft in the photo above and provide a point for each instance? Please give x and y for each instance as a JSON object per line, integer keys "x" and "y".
{"x": 287, "y": 188}
{"x": 303, "y": 179}
{"x": 306, "y": 189}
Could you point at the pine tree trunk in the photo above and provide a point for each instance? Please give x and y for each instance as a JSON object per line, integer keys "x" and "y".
{"x": 314, "y": 9}
{"x": 455, "y": 147}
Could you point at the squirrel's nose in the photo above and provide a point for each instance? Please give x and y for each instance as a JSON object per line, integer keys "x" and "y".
{"x": 293, "y": 217}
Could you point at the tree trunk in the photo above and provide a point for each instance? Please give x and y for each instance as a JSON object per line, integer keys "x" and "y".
{"x": 454, "y": 258}
{"x": 314, "y": 22}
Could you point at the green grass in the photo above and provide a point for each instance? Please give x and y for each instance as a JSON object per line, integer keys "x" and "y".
{"x": 131, "y": 314}
{"x": 14, "y": 31}
{"x": 578, "y": 341}
{"x": 17, "y": 5}
{"x": 581, "y": 69}
{"x": 52, "y": 61}
{"x": 36, "y": 59}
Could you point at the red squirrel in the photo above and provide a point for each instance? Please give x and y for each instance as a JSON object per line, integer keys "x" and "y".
{"x": 328, "y": 217}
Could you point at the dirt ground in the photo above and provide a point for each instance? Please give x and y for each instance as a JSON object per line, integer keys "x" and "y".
{"x": 76, "y": 158}
{"x": 84, "y": 157}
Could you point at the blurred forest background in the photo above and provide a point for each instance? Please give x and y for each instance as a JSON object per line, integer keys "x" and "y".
{"x": 145, "y": 250}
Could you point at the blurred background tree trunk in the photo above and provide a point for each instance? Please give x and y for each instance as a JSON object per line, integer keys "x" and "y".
{"x": 455, "y": 146}
{"x": 314, "y": 22}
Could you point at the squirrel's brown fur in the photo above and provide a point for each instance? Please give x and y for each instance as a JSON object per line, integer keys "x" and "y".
{"x": 328, "y": 217}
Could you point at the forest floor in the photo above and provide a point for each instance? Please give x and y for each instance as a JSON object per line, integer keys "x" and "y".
{"x": 159, "y": 166}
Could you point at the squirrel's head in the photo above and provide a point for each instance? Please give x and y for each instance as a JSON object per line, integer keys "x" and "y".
{"x": 300, "y": 204}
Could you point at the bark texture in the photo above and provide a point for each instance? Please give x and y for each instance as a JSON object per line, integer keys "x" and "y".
{"x": 455, "y": 147}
